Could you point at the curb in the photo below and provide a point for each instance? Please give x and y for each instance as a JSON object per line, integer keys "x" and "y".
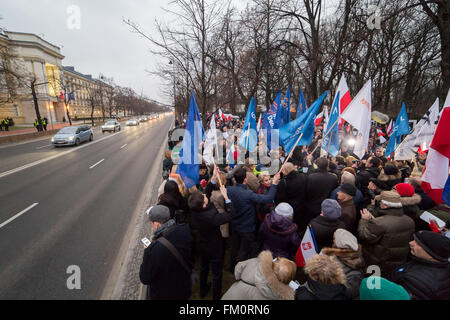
{"x": 117, "y": 281}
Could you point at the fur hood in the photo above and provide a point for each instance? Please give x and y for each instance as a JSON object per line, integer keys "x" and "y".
{"x": 352, "y": 259}
{"x": 389, "y": 177}
{"x": 282, "y": 290}
{"x": 410, "y": 201}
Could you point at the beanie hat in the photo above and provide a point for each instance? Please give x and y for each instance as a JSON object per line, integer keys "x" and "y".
{"x": 331, "y": 209}
{"x": 404, "y": 189}
{"x": 348, "y": 189}
{"x": 344, "y": 239}
{"x": 284, "y": 209}
{"x": 390, "y": 198}
{"x": 159, "y": 213}
{"x": 390, "y": 169}
{"x": 386, "y": 290}
{"x": 435, "y": 244}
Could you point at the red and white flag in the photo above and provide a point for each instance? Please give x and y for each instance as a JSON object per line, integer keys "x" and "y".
{"x": 319, "y": 118}
{"x": 307, "y": 249}
{"x": 389, "y": 128}
{"x": 438, "y": 159}
{"x": 344, "y": 97}
{"x": 381, "y": 136}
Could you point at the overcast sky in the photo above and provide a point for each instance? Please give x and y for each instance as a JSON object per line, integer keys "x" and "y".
{"x": 103, "y": 44}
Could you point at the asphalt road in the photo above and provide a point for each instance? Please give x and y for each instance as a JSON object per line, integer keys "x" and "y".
{"x": 83, "y": 201}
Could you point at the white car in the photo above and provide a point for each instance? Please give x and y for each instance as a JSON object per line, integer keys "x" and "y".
{"x": 132, "y": 122}
{"x": 111, "y": 125}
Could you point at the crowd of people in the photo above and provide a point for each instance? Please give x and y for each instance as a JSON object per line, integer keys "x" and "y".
{"x": 365, "y": 215}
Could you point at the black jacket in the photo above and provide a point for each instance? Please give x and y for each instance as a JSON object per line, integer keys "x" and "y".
{"x": 207, "y": 223}
{"x": 162, "y": 272}
{"x": 323, "y": 229}
{"x": 424, "y": 280}
{"x": 319, "y": 187}
{"x": 292, "y": 189}
{"x": 363, "y": 177}
{"x": 320, "y": 291}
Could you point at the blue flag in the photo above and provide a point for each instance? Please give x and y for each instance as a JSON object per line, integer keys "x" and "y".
{"x": 301, "y": 107}
{"x": 286, "y": 108}
{"x": 401, "y": 127}
{"x": 71, "y": 96}
{"x": 331, "y": 140}
{"x": 446, "y": 192}
{"x": 249, "y": 137}
{"x": 188, "y": 163}
{"x": 290, "y": 133}
{"x": 272, "y": 122}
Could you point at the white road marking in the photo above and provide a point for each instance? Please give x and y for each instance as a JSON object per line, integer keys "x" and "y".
{"x": 96, "y": 164}
{"x": 18, "y": 215}
{"x": 123, "y": 146}
{"x": 49, "y": 145}
{"x": 35, "y": 163}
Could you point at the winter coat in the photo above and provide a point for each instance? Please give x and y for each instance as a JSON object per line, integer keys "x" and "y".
{"x": 207, "y": 223}
{"x": 357, "y": 199}
{"x": 323, "y": 229}
{"x": 263, "y": 208}
{"x": 348, "y": 215}
{"x": 252, "y": 181}
{"x": 386, "y": 238}
{"x": 426, "y": 203}
{"x": 411, "y": 207}
{"x": 174, "y": 204}
{"x": 314, "y": 290}
{"x": 363, "y": 177}
{"x": 219, "y": 202}
{"x": 292, "y": 189}
{"x": 256, "y": 280}
{"x": 244, "y": 201}
{"x": 424, "y": 280}
{"x": 390, "y": 179}
{"x": 319, "y": 187}
{"x": 161, "y": 270}
{"x": 279, "y": 235}
{"x": 353, "y": 263}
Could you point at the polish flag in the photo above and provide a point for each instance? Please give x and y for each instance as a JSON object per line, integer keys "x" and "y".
{"x": 221, "y": 115}
{"x": 381, "y": 136}
{"x": 345, "y": 98}
{"x": 437, "y": 165}
{"x": 389, "y": 128}
{"x": 318, "y": 118}
{"x": 307, "y": 248}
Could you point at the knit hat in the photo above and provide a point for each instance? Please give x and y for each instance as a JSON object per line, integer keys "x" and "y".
{"x": 344, "y": 239}
{"x": 404, "y": 189}
{"x": 435, "y": 244}
{"x": 348, "y": 189}
{"x": 284, "y": 209}
{"x": 159, "y": 213}
{"x": 386, "y": 290}
{"x": 389, "y": 198}
{"x": 331, "y": 209}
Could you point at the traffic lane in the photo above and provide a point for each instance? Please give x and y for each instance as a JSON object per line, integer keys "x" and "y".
{"x": 20, "y": 155}
{"x": 83, "y": 157}
{"x": 86, "y": 232}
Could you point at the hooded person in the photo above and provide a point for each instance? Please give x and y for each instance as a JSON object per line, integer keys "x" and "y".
{"x": 427, "y": 275}
{"x": 345, "y": 197}
{"x": 378, "y": 288}
{"x": 390, "y": 175}
{"x": 278, "y": 233}
{"x": 385, "y": 233}
{"x": 349, "y": 253}
{"x": 325, "y": 280}
{"x": 327, "y": 223}
{"x": 409, "y": 199}
{"x": 262, "y": 278}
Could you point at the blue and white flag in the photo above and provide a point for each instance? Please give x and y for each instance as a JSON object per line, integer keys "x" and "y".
{"x": 286, "y": 110}
{"x": 401, "y": 127}
{"x": 290, "y": 133}
{"x": 330, "y": 141}
{"x": 272, "y": 123}
{"x": 71, "y": 96}
{"x": 188, "y": 164}
{"x": 249, "y": 137}
{"x": 446, "y": 192}
{"x": 301, "y": 107}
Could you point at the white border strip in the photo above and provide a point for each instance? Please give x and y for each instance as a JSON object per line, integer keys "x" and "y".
{"x": 19, "y": 214}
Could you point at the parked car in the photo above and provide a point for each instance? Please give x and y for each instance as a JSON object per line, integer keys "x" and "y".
{"x": 72, "y": 136}
{"x": 133, "y": 122}
{"x": 111, "y": 125}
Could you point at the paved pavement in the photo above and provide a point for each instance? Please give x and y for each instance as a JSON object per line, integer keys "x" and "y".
{"x": 71, "y": 210}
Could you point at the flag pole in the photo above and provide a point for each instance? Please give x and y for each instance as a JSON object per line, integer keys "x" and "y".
{"x": 290, "y": 153}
